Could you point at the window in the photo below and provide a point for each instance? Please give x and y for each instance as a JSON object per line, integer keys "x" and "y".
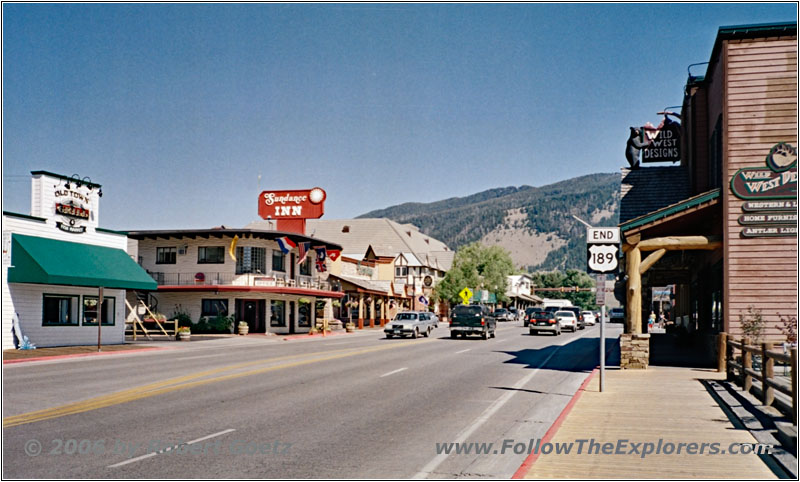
{"x": 278, "y": 261}
{"x": 250, "y": 259}
{"x": 60, "y": 310}
{"x": 277, "y": 313}
{"x": 304, "y": 312}
{"x": 214, "y": 308}
{"x": 211, "y": 255}
{"x": 166, "y": 255}
{"x": 305, "y": 267}
{"x": 400, "y": 271}
{"x": 90, "y": 310}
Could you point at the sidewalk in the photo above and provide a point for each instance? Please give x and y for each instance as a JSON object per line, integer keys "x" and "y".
{"x": 644, "y": 406}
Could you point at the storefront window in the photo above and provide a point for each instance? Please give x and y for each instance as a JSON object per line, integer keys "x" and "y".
{"x": 278, "y": 261}
{"x": 214, "y": 308}
{"x": 90, "y": 310}
{"x": 60, "y": 310}
{"x": 304, "y": 311}
{"x": 277, "y": 313}
{"x": 211, "y": 255}
{"x": 166, "y": 255}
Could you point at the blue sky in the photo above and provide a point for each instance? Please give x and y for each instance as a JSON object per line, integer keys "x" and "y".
{"x": 177, "y": 109}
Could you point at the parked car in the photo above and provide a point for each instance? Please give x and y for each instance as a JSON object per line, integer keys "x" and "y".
{"x": 578, "y": 315}
{"x": 567, "y": 320}
{"x": 502, "y": 314}
{"x": 616, "y": 315}
{"x": 434, "y": 318}
{"x": 409, "y": 323}
{"x": 589, "y": 318}
{"x": 472, "y": 320}
{"x": 544, "y": 321}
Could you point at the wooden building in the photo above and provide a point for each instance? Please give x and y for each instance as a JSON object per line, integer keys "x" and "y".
{"x": 722, "y": 225}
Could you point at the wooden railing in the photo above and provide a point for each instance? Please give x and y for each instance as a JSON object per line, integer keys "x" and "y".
{"x": 740, "y": 369}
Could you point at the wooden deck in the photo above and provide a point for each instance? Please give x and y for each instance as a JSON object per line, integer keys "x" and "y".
{"x": 645, "y": 406}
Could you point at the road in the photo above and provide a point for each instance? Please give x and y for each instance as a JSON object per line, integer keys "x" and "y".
{"x": 355, "y": 405}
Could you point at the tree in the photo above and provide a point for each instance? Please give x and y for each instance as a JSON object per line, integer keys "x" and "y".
{"x": 477, "y": 267}
{"x": 572, "y": 278}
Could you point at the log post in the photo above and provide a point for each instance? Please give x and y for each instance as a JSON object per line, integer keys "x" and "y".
{"x": 361, "y": 311}
{"x": 722, "y": 352}
{"x": 794, "y": 385}
{"x": 747, "y": 362}
{"x": 372, "y": 311}
{"x": 634, "y": 293}
{"x": 767, "y": 372}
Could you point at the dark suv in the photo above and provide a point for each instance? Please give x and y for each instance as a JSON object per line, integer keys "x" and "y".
{"x": 530, "y": 313}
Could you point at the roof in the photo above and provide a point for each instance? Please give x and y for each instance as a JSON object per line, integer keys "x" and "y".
{"x": 387, "y": 238}
{"x": 73, "y": 178}
{"x": 229, "y": 232}
{"x": 53, "y": 262}
{"x": 648, "y": 189}
{"x": 364, "y": 284}
{"x": 675, "y": 208}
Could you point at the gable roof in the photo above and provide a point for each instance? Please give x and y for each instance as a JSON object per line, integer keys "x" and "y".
{"x": 387, "y": 238}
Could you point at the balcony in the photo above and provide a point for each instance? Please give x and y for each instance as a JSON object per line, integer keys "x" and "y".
{"x": 244, "y": 280}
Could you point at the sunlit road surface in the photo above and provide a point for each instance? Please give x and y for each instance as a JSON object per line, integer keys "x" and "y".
{"x": 343, "y": 406}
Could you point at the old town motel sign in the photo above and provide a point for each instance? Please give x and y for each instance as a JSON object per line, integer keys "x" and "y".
{"x": 290, "y": 209}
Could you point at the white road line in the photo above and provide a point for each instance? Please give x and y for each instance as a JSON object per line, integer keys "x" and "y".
{"x": 201, "y": 356}
{"x": 462, "y": 351}
{"x": 487, "y": 414}
{"x": 169, "y": 449}
{"x": 393, "y": 372}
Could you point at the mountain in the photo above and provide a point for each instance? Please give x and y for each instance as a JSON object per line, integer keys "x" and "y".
{"x": 534, "y": 223}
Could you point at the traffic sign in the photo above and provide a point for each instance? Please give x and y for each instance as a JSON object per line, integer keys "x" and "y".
{"x": 466, "y": 295}
{"x": 602, "y": 248}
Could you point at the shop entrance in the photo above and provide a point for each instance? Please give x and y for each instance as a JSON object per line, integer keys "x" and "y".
{"x": 253, "y": 312}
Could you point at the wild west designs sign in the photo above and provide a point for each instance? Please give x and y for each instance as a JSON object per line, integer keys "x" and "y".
{"x": 306, "y": 204}
{"x": 779, "y": 181}
{"x": 766, "y": 214}
{"x": 71, "y": 206}
{"x": 663, "y": 142}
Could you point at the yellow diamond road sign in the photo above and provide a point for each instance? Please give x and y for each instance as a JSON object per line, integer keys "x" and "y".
{"x": 465, "y": 295}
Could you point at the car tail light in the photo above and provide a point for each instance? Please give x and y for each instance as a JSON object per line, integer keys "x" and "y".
{"x": 483, "y": 321}
{"x": 551, "y": 320}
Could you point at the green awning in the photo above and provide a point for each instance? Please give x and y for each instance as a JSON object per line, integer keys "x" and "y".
{"x": 53, "y": 262}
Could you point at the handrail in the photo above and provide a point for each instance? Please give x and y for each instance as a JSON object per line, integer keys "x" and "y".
{"x": 727, "y": 363}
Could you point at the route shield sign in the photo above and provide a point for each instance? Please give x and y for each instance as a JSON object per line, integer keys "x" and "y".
{"x": 602, "y": 247}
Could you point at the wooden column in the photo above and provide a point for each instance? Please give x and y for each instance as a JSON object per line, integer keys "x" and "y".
{"x": 383, "y": 310}
{"x": 722, "y": 345}
{"x": 372, "y": 311}
{"x": 633, "y": 322}
{"x": 361, "y": 311}
{"x": 99, "y": 315}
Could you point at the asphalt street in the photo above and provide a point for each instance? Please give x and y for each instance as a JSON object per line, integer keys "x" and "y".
{"x": 355, "y": 405}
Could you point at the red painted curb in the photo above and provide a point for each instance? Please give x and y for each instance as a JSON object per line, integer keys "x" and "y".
{"x": 528, "y": 463}
{"x": 310, "y": 335}
{"x": 77, "y": 355}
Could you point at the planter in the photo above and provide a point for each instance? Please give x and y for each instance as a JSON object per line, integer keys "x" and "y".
{"x": 184, "y": 336}
{"x": 244, "y": 328}
{"x": 350, "y": 327}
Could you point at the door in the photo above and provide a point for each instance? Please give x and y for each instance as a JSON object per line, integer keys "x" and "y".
{"x": 291, "y": 317}
{"x": 250, "y": 314}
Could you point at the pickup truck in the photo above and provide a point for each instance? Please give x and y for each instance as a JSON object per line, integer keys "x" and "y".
{"x": 410, "y": 323}
{"x": 472, "y": 320}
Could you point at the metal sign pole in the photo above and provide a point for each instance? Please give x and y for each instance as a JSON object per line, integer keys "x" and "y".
{"x": 602, "y": 346}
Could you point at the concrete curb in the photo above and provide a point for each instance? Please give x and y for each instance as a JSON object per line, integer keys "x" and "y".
{"x": 79, "y": 355}
{"x": 523, "y": 469}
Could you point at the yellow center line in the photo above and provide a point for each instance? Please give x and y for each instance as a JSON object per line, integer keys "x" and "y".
{"x": 184, "y": 382}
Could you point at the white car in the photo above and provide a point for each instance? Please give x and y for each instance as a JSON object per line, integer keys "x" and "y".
{"x": 567, "y": 320}
{"x": 410, "y": 323}
{"x": 588, "y": 318}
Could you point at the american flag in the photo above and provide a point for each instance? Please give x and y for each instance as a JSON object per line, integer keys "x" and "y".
{"x": 302, "y": 250}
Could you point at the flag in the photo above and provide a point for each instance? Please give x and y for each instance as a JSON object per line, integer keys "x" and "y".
{"x": 321, "y": 255}
{"x": 232, "y": 250}
{"x": 285, "y": 244}
{"x": 302, "y": 249}
{"x": 334, "y": 254}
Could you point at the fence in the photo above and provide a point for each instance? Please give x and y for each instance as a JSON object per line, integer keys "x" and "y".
{"x": 740, "y": 368}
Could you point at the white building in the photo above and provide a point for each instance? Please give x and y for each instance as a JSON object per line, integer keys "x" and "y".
{"x": 57, "y": 262}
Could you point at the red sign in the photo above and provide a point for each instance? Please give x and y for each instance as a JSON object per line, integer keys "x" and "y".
{"x": 307, "y": 204}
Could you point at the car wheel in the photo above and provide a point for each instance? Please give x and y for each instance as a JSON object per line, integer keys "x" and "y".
{"x": 428, "y": 332}
{"x": 494, "y": 335}
{"x": 453, "y": 335}
{"x": 416, "y": 333}
{"x": 485, "y": 335}
{"x": 532, "y": 332}
{"x": 388, "y": 335}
